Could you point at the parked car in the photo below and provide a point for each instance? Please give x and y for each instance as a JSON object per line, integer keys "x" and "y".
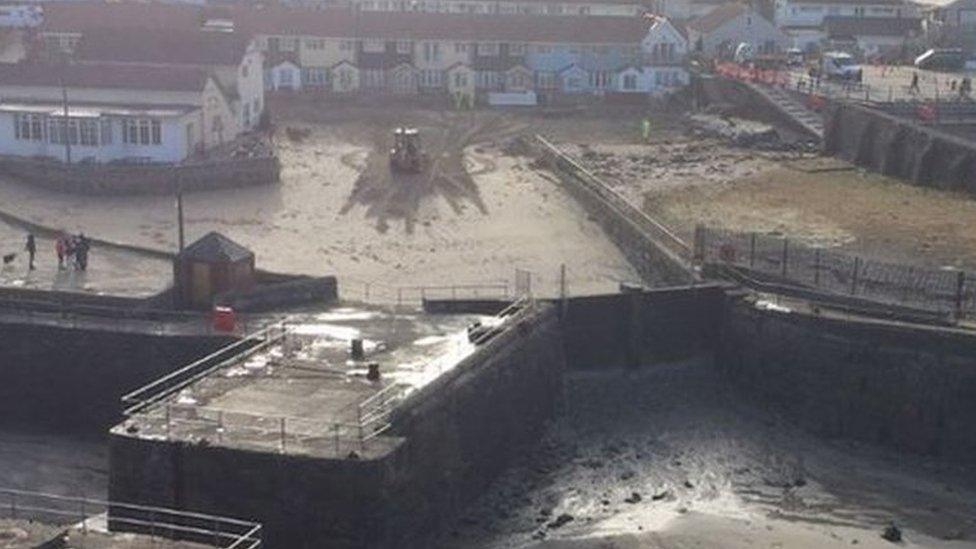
{"x": 794, "y": 57}
{"x": 941, "y": 59}
{"x": 840, "y": 65}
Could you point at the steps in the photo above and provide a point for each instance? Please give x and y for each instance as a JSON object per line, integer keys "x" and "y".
{"x": 810, "y": 120}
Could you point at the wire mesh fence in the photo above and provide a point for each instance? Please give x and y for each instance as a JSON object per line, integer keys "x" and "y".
{"x": 937, "y": 290}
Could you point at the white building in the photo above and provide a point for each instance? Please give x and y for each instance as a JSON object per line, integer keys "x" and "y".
{"x": 21, "y": 15}
{"x": 620, "y": 8}
{"x": 136, "y": 113}
{"x": 722, "y": 29}
{"x": 803, "y": 20}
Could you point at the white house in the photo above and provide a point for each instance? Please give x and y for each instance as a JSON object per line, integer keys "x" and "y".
{"x": 871, "y": 35}
{"x": 283, "y": 75}
{"x": 114, "y": 113}
{"x": 803, "y": 20}
{"x": 722, "y": 29}
{"x": 232, "y": 58}
{"x": 21, "y": 15}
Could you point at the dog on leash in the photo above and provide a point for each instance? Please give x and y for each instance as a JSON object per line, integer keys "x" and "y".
{"x": 9, "y": 258}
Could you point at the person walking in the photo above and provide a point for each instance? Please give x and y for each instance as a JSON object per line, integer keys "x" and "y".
{"x": 81, "y": 251}
{"x": 914, "y": 89}
{"x": 60, "y": 249}
{"x": 31, "y": 248}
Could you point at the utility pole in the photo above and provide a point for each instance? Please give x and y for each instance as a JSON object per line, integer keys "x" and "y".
{"x": 64, "y": 123}
{"x": 179, "y": 217}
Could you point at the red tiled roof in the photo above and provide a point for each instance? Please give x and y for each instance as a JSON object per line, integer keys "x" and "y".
{"x": 134, "y": 77}
{"x": 172, "y": 46}
{"x": 346, "y": 23}
{"x": 84, "y": 16}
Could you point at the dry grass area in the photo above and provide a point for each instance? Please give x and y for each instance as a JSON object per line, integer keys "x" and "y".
{"x": 827, "y": 203}
{"x": 685, "y": 180}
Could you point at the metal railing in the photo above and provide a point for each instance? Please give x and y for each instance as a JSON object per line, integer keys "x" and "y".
{"x": 382, "y": 294}
{"x": 617, "y": 201}
{"x": 90, "y": 516}
{"x": 941, "y": 291}
{"x": 154, "y": 392}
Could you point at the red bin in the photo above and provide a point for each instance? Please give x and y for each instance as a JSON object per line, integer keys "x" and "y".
{"x": 224, "y": 319}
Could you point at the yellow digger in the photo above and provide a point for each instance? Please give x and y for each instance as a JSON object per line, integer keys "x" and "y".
{"x": 407, "y": 156}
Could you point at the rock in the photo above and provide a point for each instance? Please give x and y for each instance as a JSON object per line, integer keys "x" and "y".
{"x": 892, "y": 533}
{"x": 634, "y": 498}
{"x": 661, "y": 495}
{"x": 688, "y": 484}
{"x": 955, "y": 535}
{"x": 561, "y": 520}
{"x": 627, "y": 475}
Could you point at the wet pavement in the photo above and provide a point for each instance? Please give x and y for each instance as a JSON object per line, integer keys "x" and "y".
{"x": 109, "y": 271}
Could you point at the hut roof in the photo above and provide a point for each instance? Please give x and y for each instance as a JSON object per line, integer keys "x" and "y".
{"x": 215, "y": 248}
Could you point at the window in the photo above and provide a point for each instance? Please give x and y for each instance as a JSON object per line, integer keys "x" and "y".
{"x": 244, "y": 70}
{"x": 488, "y": 49}
{"x": 546, "y": 80}
{"x": 285, "y": 78}
{"x": 373, "y": 45}
{"x": 630, "y": 81}
{"x": 314, "y": 77}
{"x": 257, "y": 104}
{"x": 373, "y": 78}
{"x": 346, "y": 45}
{"x": 315, "y": 44}
{"x": 543, "y": 49}
{"x": 88, "y": 133}
{"x": 431, "y": 78}
{"x": 516, "y": 49}
{"x": 142, "y": 131}
{"x": 29, "y": 127}
{"x": 404, "y": 47}
{"x": 106, "y": 137}
{"x": 460, "y": 80}
{"x": 288, "y": 44}
{"x": 432, "y": 51}
{"x": 246, "y": 114}
{"x": 600, "y": 79}
{"x": 460, "y": 48}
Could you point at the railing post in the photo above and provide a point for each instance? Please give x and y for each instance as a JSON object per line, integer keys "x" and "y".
{"x": 786, "y": 255}
{"x": 816, "y": 267}
{"x": 857, "y": 268}
{"x": 167, "y": 421}
{"x": 220, "y": 426}
{"x": 960, "y": 292}
{"x": 216, "y": 533}
{"x": 699, "y": 245}
{"x": 283, "y": 435}
{"x": 13, "y": 506}
{"x": 84, "y": 518}
{"x": 752, "y": 250}
{"x": 335, "y": 429}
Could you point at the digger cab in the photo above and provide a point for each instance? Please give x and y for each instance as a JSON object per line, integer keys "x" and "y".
{"x": 406, "y": 154}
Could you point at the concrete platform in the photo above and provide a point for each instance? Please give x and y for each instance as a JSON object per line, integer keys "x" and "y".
{"x": 304, "y": 394}
{"x": 27, "y": 534}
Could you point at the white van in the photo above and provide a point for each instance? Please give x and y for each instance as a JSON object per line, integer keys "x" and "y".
{"x": 841, "y": 66}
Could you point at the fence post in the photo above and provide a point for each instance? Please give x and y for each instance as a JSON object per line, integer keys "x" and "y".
{"x": 786, "y": 255}
{"x": 960, "y": 292}
{"x": 857, "y": 267}
{"x": 699, "y": 245}
{"x": 752, "y": 250}
{"x": 282, "y": 435}
{"x": 84, "y": 519}
{"x": 816, "y": 267}
{"x": 167, "y": 421}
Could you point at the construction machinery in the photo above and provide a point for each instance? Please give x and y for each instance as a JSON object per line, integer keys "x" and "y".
{"x": 407, "y": 155}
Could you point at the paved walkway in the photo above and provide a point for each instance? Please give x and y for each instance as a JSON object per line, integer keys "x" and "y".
{"x": 109, "y": 271}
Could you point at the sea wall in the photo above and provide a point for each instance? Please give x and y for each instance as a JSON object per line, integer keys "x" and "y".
{"x": 453, "y": 437}
{"x": 910, "y": 387}
{"x": 71, "y": 379}
{"x": 465, "y": 428}
{"x": 900, "y": 147}
{"x": 107, "y": 179}
{"x": 646, "y": 244}
{"x": 642, "y": 328}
